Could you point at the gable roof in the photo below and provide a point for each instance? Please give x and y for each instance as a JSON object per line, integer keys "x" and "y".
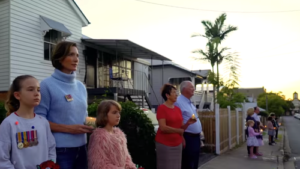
{"x": 79, "y": 12}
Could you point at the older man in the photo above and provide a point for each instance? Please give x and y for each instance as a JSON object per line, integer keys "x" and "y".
{"x": 190, "y": 154}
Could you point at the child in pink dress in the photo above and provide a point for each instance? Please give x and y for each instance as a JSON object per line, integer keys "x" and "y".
{"x": 252, "y": 140}
{"x": 108, "y": 144}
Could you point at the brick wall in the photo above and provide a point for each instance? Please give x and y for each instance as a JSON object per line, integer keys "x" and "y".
{"x": 3, "y": 96}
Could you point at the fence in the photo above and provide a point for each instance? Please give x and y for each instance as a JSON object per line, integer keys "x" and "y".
{"x": 223, "y": 129}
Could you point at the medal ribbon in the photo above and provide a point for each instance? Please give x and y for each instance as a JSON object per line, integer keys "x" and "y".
{"x": 32, "y": 135}
{"x": 35, "y": 134}
{"x": 19, "y": 137}
{"x": 25, "y": 136}
{"x": 28, "y": 136}
{"x": 22, "y": 137}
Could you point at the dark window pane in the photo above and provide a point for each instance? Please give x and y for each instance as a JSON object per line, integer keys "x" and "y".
{"x": 46, "y": 51}
{"x": 47, "y": 37}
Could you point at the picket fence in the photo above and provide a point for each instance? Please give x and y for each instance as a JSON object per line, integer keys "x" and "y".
{"x": 223, "y": 128}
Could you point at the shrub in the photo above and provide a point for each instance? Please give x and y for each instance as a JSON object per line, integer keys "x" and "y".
{"x": 2, "y": 112}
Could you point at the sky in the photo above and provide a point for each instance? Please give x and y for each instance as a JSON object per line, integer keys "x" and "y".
{"x": 267, "y": 39}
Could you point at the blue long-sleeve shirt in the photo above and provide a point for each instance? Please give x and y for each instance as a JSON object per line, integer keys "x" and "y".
{"x": 188, "y": 109}
{"x": 64, "y": 101}
{"x": 11, "y": 157}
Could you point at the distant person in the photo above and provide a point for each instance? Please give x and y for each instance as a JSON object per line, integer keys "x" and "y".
{"x": 169, "y": 138}
{"x": 277, "y": 128}
{"x": 252, "y": 140}
{"x": 271, "y": 131}
{"x": 190, "y": 155}
{"x": 257, "y": 128}
{"x": 250, "y": 113}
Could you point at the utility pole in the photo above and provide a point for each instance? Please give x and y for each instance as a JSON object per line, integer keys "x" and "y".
{"x": 267, "y": 102}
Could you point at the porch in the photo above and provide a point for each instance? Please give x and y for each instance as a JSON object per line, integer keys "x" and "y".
{"x": 115, "y": 69}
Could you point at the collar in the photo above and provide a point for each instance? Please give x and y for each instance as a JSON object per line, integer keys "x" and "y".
{"x": 185, "y": 99}
{"x": 68, "y": 78}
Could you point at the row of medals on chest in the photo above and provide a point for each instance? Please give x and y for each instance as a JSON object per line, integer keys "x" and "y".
{"x": 24, "y": 141}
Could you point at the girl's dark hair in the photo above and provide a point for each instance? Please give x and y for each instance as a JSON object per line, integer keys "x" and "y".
{"x": 269, "y": 118}
{"x": 166, "y": 89}
{"x": 61, "y": 51}
{"x": 103, "y": 109}
{"x": 12, "y": 104}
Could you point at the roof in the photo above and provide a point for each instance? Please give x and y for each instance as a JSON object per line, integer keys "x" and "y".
{"x": 80, "y": 13}
{"x": 249, "y": 92}
{"x": 123, "y": 47}
{"x": 158, "y": 63}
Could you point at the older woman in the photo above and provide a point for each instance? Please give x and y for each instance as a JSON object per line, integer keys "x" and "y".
{"x": 169, "y": 138}
{"x": 64, "y": 104}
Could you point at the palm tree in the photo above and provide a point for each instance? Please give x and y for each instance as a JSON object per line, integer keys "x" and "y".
{"x": 216, "y": 32}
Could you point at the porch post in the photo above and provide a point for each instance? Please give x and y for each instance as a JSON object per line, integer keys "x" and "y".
{"x": 116, "y": 96}
{"x": 243, "y": 120}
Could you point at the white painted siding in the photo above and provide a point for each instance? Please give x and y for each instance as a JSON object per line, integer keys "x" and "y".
{"x": 27, "y": 45}
{"x": 4, "y": 44}
{"x": 140, "y": 77}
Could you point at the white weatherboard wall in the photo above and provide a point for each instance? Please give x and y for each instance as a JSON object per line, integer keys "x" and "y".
{"x": 27, "y": 45}
{"x": 4, "y": 45}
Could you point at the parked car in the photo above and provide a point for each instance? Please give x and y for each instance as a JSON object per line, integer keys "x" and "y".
{"x": 297, "y": 116}
{"x": 152, "y": 117}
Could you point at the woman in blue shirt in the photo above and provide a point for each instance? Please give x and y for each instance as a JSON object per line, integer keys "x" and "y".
{"x": 64, "y": 104}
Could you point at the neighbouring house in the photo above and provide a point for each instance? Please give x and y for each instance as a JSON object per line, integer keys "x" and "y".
{"x": 296, "y": 103}
{"x": 251, "y": 93}
{"x": 110, "y": 68}
{"x": 170, "y": 72}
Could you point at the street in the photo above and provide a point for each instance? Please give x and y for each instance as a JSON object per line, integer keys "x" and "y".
{"x": 292, "y": 127}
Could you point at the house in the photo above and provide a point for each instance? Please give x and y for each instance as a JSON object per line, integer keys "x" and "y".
{"x": 251, "y": 93}
{"x": 170, "y": 72}
{"x": 111, "y": 68}
{"x": 28, "y": 32}
{"x": 296, "y": 103}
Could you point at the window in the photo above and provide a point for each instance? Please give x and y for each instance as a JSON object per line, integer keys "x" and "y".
{"x": 51, "y": 38}
{"x": 123, "y": 69}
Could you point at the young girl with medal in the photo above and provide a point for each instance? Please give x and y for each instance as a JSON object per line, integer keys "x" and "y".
{"x": 25, "y": 138}
{"x": 108, "y": 144}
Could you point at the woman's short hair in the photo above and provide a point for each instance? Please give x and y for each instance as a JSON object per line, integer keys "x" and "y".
{"x": 250, "y": 111}
{"x": 103, "y": 109}
{"x": 166, "y": 89}
{"x": 61, "y": 51}
{"x": 250, "y": 122}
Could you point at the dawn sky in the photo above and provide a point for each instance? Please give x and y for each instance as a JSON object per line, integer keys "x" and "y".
{"x": 267, "y": 43}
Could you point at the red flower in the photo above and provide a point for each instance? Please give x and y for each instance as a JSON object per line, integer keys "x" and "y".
{"x": 49, "y": 164}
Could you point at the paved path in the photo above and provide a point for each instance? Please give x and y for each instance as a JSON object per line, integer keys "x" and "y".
{"x": 238, "y": 158}
{"x": 292, "y": 127}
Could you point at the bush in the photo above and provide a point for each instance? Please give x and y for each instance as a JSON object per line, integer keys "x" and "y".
{"x": 2, "y": 112}
{"x": 140, "y": 135}
{"x": 139, "y": 131}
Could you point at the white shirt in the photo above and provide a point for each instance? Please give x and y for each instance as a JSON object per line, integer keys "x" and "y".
{"x": 256, "y": 117}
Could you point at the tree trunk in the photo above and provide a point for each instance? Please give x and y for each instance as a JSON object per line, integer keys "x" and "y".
{"x": 218, "y": 79}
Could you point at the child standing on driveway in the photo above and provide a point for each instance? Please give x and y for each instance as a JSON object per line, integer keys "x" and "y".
{"x": 252, "y": 140}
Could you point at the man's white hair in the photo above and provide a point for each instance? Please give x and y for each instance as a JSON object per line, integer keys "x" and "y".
{"x": 184, "y": 84}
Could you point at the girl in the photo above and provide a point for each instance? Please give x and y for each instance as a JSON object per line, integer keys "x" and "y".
{"x": 108, "y": 144}
{"x": 252, "y": 140}
{"x": 25, "y": 138}
{"x": 64, "y": 105}
{"x": 270, "y": 131}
